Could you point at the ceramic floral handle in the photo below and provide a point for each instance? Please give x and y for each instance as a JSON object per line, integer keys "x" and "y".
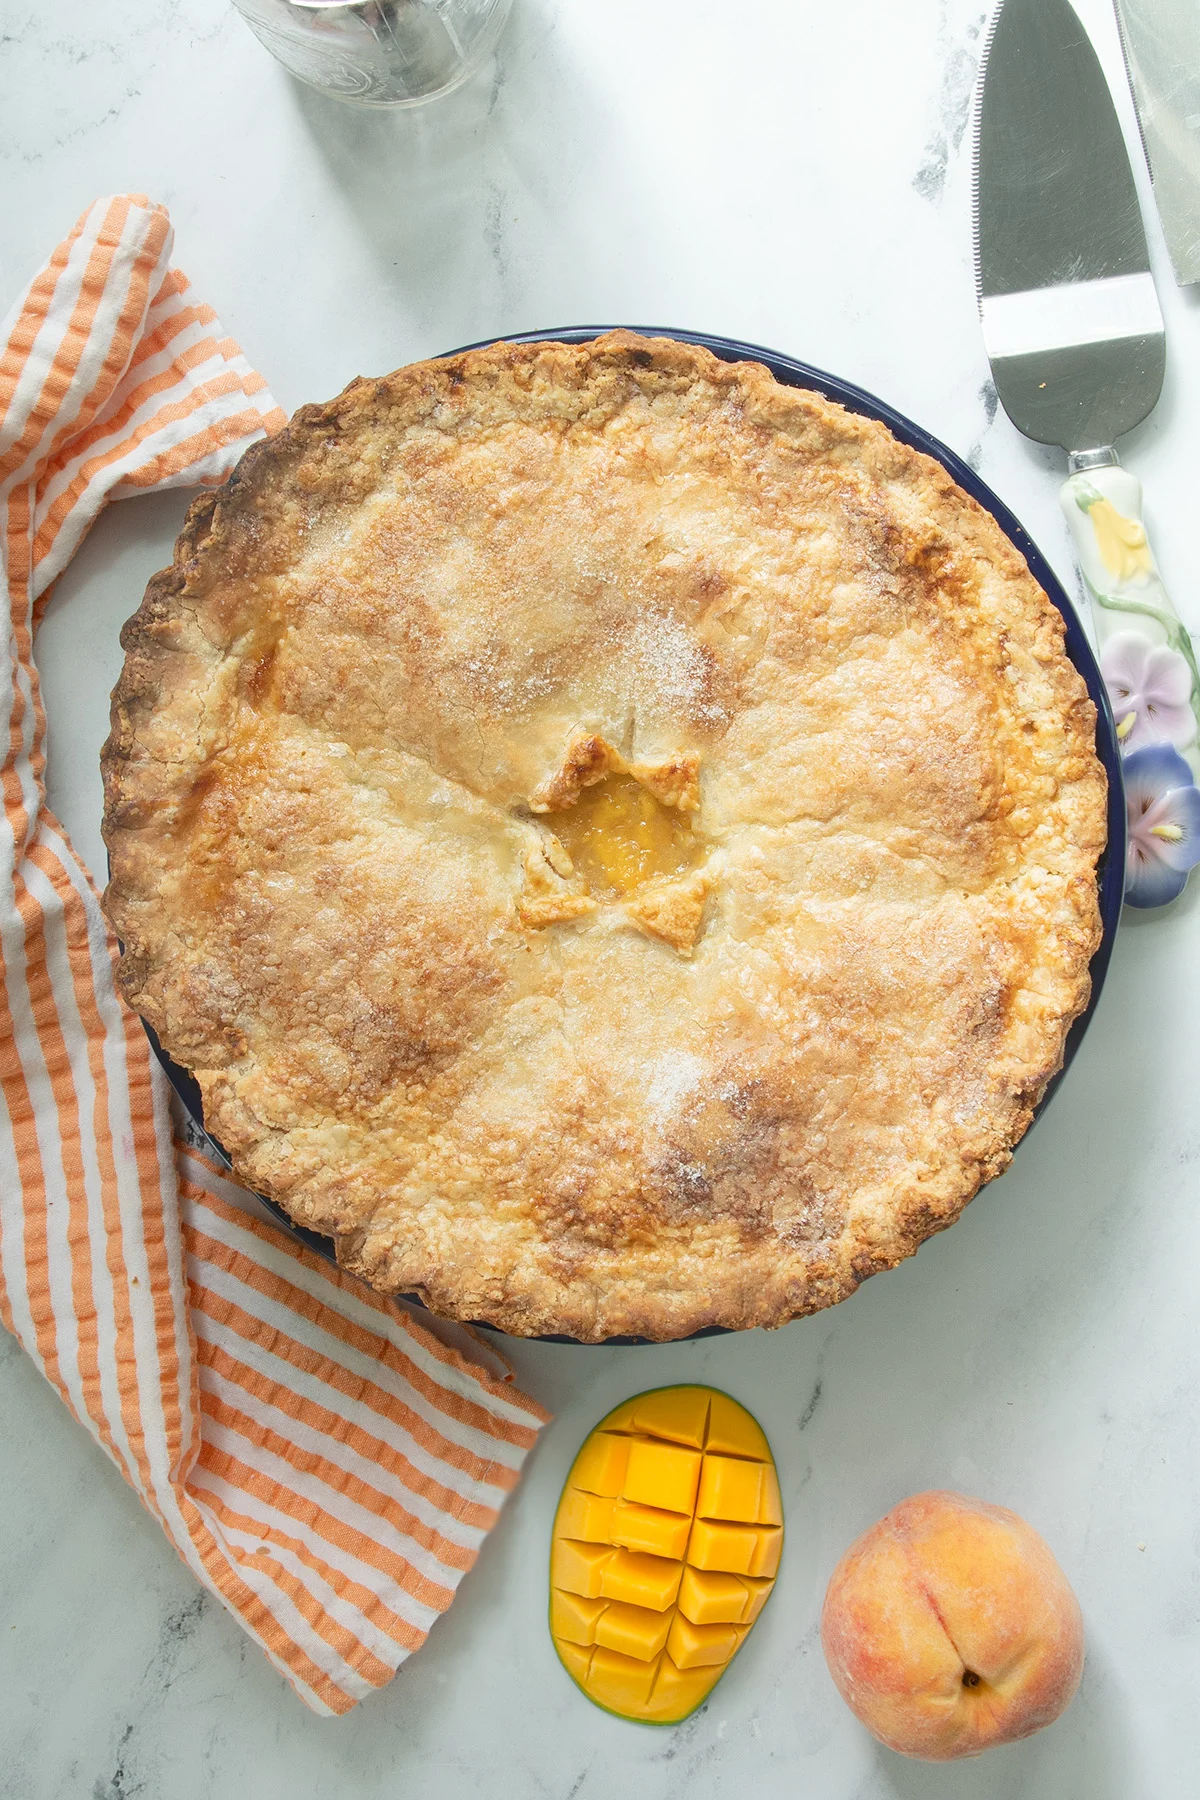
{"x": 1150, "y": 671}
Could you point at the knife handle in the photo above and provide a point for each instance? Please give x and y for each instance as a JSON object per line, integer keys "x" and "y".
{"x": 1133, "y": 614}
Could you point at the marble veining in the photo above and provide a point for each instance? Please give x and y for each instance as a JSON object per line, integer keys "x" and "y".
{"x": 796, "y": 176}
{"x": 960, "y": 30}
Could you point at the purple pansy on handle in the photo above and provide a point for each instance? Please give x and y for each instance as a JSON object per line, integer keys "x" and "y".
{"x": 1163, "y": 806}
{"x": 1150, "y": 686}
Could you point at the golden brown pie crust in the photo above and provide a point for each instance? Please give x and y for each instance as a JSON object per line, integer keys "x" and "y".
{"x": 429, "y": 611}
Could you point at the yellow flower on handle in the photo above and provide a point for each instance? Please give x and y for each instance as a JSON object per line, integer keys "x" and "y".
{"x": 1122, "y": 543}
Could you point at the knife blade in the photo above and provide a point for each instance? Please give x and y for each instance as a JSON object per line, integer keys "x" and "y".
{"x": 1161, "y": 40}
{"x": 1075, "y": 335}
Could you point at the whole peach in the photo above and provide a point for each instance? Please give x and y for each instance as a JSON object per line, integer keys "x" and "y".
{"x": 949, "y": 1627}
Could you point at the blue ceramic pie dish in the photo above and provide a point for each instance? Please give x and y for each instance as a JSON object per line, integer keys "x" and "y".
{"x": 1111, "y": 871}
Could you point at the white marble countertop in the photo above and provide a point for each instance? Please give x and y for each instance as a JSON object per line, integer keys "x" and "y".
{"x": 794, "y": 175}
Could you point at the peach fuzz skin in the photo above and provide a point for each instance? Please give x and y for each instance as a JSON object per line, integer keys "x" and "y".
{"x": 948, "y": 1627}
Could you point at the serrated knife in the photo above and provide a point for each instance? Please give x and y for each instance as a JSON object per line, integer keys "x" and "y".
{"x": 1070, "y": 313}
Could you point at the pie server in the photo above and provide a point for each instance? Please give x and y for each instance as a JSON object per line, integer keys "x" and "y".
{"x": 1073, "y": 329}
{"x": 1161, "y": 39}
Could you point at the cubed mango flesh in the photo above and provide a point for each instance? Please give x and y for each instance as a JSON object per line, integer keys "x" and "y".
{"x": 713, "y": 1545}
{"x": 622, "y": 1683}
{"x": 588, "y": 1517}
{"x": 642, "y": 1580}
{"x": 765, "y": 1560}
{"x": 677, "y": 1692}
{"x": 600, "y": 1466}
{"x": 634, "y": 1630}
{"x": 572, "y": 1618}
{"x": 666, "y": 1543}
{"x": 679, "y": 1415}
{"x": 700, "y": 1646}
{"x": 730, "y": 1488}
{"x": 709, "y": 1598}
{"x": 576, "y": 1659}
{"x": 733, "y": 1432}
{"x": 737, "y": 1549}
{"x": 662, "y": 1475}
{"x": 649, "y": 1528}
{"x": 759, "y": 1591}
{"x": 578, "y": 1567}
{"x": 770, "y": 1505}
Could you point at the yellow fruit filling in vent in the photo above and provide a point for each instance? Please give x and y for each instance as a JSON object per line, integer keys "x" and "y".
{"x": 619, "y": 837}
{"x": 666, "y": 1545}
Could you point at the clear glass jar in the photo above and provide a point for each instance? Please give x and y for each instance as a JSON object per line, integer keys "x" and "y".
{"x": 378, "y": 52}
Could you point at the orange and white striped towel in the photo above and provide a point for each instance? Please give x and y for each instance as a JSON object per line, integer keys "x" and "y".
{"x": 319, "y": 1457}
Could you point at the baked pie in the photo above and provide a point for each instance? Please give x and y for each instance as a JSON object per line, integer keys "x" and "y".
{"x": 613, "y": 837}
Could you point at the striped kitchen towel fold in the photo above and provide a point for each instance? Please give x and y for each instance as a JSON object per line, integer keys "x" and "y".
{"x": 320, "y": 1457}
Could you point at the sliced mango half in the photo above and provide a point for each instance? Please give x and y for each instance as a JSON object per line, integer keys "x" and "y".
{"x": 666, "y": 1545}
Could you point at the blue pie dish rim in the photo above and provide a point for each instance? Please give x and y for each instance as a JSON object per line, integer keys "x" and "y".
{"x": 1110, "y": 872}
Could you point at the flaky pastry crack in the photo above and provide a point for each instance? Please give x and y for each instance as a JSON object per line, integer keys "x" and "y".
{"x": 589, "y": 758}
{"x": 673, "y": 911}
{"x": 553, "y": 894}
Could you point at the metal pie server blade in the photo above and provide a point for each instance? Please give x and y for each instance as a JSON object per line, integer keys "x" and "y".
{"x": 1070, "y": 314}
{"x": 1075, "y": 336}
{"x": 1162, "y": 53}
